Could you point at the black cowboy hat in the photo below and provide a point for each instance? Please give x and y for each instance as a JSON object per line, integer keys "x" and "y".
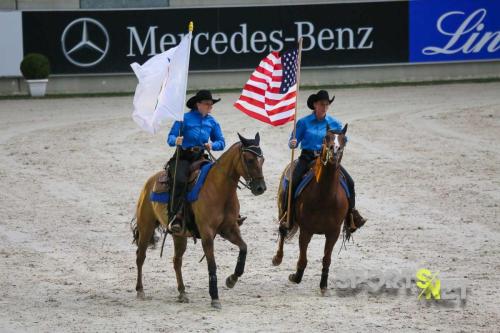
{"x": 200, "y": 96}
{"x": 321, "y": 95}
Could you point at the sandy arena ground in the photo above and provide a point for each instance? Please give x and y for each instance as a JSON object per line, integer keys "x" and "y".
{"x": 426, "y": 161}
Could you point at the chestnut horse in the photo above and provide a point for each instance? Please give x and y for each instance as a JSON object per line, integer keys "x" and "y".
{"x": 320, "y": 209}
{"x": 215, "y": 213}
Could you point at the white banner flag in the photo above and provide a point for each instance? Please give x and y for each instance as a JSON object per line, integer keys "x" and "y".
{"x": 161, "y": 91}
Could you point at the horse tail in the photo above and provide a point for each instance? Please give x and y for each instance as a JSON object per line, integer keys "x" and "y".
{"x": 135, "y": 229}
{"x": 145, "y": 218}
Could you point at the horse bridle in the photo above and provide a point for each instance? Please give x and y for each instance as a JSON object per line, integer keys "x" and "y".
{"x": 251, "y": 149}
{"x": 329, "y": 154}
{"x": 257, "y": 152}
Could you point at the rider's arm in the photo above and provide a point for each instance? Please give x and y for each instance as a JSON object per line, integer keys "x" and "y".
{"x": 299, "y": 133}
{"x": 174, "y": 132}
{"x": 218, "y": 142}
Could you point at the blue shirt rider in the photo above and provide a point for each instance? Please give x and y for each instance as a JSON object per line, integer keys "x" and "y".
{"x": 198, "y": 132}
{"x": 309, "y": 133}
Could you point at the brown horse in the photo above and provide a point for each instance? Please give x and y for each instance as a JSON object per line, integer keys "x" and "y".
{"x": 320, "y": 209}
{"x": 215, "y": 213}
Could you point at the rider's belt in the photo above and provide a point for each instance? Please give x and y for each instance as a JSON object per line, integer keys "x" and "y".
{"x": 195, "y": 149}
{"x": 309, "y": 152}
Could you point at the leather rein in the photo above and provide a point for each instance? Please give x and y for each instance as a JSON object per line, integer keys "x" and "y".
{"x": 248, "y": 179}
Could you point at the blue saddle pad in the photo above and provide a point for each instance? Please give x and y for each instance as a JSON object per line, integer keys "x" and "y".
{"x": 192, "y": 195}
{"x": 307, "y": 178}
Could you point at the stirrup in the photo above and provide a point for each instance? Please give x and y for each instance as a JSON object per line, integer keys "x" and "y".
{"x": 175, "y": 224}
{"x": 283, "y": 221}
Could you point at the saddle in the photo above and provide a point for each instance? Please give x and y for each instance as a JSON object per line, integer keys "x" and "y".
{"x": 194, "y": 171}
{"x": 163, "y": 185}
{"x": 164, "y": 180}
{"x": 306, "y": 178}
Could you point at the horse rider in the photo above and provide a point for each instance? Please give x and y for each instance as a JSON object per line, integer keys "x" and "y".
{"x": 199, "y": 132}
{"x": 309, "y": 133}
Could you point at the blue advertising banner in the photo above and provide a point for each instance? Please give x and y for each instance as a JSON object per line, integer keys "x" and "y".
{"x": 454, "y": 30}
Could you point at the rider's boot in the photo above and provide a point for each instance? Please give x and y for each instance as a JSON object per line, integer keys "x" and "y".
{"x": 355, "y": 220}
{"x": 240, "y": 219}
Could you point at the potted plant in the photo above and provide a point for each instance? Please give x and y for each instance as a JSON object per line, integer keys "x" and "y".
{"x": 35, "y": 68}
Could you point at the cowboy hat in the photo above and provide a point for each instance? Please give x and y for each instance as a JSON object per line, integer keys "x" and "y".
{"x": 321, "y": 95}
{"x": 200, "y": 96}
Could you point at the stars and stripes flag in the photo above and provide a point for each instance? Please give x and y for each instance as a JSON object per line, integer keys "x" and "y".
{"x": 270, "y": 95}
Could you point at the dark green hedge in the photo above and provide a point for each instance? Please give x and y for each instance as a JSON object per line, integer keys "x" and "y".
{"x": 35, "y": 66}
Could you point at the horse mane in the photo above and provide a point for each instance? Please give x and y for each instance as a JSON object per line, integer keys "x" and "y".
{"x": 248, "y": 142}
{"x": 227, "y": 151}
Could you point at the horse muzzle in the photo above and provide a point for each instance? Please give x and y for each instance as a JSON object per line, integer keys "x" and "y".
{"x": 258, "y": 186}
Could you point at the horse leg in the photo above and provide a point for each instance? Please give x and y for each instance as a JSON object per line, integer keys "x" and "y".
{"x": 179, "y": 249}
{"x": 278, "y": 257}
{"x": 234, "y": 236}
{"x": 208, "y": 248}
{"x": 145, "y": 230}
{"x": 331, "y": 239}
{"x": 304, "y": 239}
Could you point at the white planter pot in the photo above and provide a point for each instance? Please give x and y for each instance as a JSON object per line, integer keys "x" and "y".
{"x": 37, "y": 87}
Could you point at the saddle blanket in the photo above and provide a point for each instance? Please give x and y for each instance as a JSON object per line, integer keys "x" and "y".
{"x": 192, "y": 195}
{"x": 307, "y": 178}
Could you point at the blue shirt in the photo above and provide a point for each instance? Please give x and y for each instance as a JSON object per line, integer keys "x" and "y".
{"x": 311, "y": 131}
{"x": 196, "y": 131}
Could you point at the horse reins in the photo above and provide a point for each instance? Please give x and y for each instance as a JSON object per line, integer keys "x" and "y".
{"x": 252, "y": 149}
{"x": 215, "y": 161}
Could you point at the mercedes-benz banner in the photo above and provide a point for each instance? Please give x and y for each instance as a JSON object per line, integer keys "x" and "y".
{"x": 223, "y": 38}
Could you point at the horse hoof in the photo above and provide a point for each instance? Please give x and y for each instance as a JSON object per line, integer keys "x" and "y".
{"x": 325, "y": 292}
{"x": 141, "y": 295}
{"x": 230, "y": 281}
{"x": 182, "y": 298}
{"x": 277, "y": 260}
{"x": 216, "y": 304}
{"x": 293, "y": 278}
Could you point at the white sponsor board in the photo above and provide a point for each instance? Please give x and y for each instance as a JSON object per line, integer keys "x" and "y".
{"x": 11, "y": 43}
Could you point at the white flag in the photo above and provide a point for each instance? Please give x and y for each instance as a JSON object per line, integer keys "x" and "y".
{"x": 161, "y": 91}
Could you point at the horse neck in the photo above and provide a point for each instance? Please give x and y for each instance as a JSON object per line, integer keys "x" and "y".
{"x": 329, "y": 182}
{"x": 226, "y": 167}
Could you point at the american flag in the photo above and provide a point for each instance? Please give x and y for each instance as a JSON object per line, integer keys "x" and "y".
{"x": 270, "y": 95}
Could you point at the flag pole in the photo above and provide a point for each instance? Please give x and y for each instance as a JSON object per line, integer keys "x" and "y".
{"x": 287, "y": 225}
{"x": 178, "y": 148}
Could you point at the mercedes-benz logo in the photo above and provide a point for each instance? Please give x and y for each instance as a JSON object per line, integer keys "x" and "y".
{"x": 86, "y": 52}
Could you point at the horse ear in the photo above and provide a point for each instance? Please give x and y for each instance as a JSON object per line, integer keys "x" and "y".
{"x": 257, "y": 138}
{"x": 327, "y": 128}
{"x": 243, "y": 140}
{"x": 344, "y": 129}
